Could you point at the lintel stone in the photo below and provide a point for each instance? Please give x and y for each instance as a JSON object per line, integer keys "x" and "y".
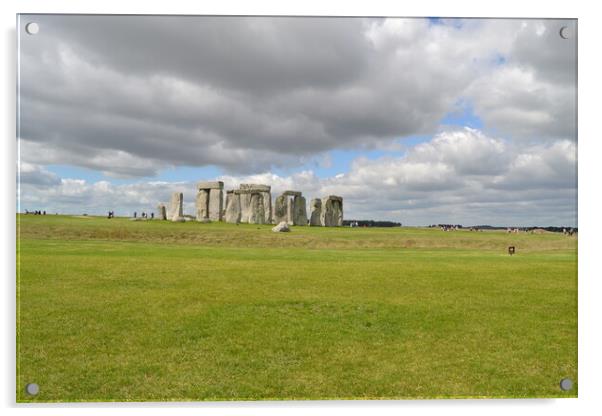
{"x": 256, "y": 187}
{"x": 210, "y": 185}
{"x": 292, "y": 193}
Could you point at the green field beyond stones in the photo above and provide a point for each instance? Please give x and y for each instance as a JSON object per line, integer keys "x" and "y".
{"x": 116, "y": 310}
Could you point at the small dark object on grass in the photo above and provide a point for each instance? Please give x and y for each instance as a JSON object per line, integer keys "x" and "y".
{"x": 511, "y": 250}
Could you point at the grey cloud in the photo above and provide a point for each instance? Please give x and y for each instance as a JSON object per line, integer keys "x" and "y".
{"x": 532, "y": 95}
{"x": 182, "y": 91}
{"x": 36, "y": 175}
{"x": 533, "y": 186}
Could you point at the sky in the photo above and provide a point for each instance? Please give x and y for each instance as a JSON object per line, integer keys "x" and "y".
{"x": 418, "y": 121}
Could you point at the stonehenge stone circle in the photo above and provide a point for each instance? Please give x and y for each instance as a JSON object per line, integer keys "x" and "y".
{"x": 176, "y": 207}
{"x": 315, "y": 212}
{"x": 252, "y": 203}
{"x": 209, "y": 201}
{"x": 332, "y": 211}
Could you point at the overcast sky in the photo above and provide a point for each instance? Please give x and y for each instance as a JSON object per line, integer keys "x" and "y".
{"x": 413, "y": 120}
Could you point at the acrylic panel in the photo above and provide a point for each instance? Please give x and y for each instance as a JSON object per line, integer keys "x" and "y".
{"x": 295, "y": 208}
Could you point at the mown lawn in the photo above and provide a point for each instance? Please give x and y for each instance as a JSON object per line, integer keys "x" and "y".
{"x": 115, "y": 310}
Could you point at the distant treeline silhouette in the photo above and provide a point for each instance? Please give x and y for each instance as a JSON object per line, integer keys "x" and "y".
{"x": 370, "y": 223}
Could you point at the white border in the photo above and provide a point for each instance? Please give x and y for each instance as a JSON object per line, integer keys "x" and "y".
{"x": 590, "y": 232}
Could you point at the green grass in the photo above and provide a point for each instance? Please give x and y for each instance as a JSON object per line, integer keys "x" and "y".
{"x": 115, "y": 310}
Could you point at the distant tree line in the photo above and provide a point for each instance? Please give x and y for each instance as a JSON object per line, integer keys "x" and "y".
{"x": 370, "y": 223}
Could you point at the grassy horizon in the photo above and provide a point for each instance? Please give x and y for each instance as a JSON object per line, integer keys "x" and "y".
{"x": 119, "y": 310}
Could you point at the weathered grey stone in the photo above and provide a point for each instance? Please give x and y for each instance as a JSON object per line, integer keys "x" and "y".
{"x": 267, "y": 207}
{"x": 216, "y": 201}
{"x": 339, "y": 213}
{"x": 281, "y": 209}
{"x": 265, "y": 191}
{"x": 161, "y": 212}
{"x": 290, "y": 210}
{"x": 176, "y": 206}
{"x": 256, "y": 211}
{"x": 233, "y": 213}
{"x": 245, "y": 205}
{"x": 210, "y": 200}
{"x": 282, "y": 227}
{"x": 316, "y": 211}
{"x": 228, "y": 198}
{"x": 210, "y": 185}
{"x": 299, "y": 211}
{"x": 202, "y": 205}
{"x": 256, "y": 187}
{"x": 332, "y": 211}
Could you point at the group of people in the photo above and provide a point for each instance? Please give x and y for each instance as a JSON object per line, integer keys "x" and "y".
{"x": 145, "y": 215}
{"x": 36, "y": 212}
{"x": 449, "y": 228}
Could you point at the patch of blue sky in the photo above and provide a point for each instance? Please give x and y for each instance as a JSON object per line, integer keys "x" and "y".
{"x": 335, "y": 162}
{"x": 435, "y": 21}
{"x": 453, "y": 22}
{"x": 462, "y": 116}
{"x": 500, "y": 59}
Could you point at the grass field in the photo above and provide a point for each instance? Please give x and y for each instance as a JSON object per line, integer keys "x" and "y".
{"x": 115, "y": 310}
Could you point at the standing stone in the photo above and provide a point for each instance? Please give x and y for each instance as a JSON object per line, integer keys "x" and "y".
{"x": 257, "y": 214}
{"x": 281, "y": 209}
{"x": 202, "y": 205}
{"x": 267, "y": 206}
{"x": 299, "y": 211}
{"x": 290, "y": 210}
{"x": 176, "y": 207}
{"x": 210, "y": 195}
{"x": 161, "y": 212}
{"x": 216, "y": 201}
{"x": 245, "y": 204}
{"x": 338, "y": 216}
{"x": 232, "y": 207}
{"x": 316, "y": 211}
{"x": 326, "y": 215}
{"x": 332, "y": 211}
